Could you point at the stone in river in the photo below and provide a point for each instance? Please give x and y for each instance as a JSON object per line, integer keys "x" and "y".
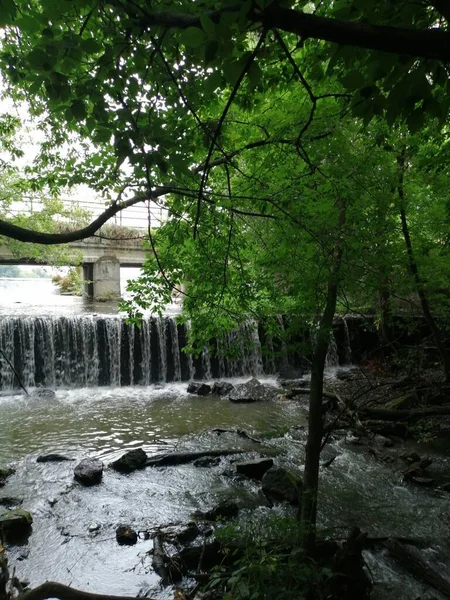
{"x": 89, "y": 471}
{"x": 130, "y": 461}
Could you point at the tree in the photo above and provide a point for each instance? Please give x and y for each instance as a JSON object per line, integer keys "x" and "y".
{"x": 237, "y": 110}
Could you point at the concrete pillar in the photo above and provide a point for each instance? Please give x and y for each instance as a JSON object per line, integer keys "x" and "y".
{"x": 106, "y": 278}
{"x": 88, "y": 280}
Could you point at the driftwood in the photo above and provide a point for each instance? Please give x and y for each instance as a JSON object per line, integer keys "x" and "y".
{"x": 392, "y": 414}
{"x": 411, "y": 560}
{"x": 51, "y": 589}
{"x": 159, "y": 560}
{"x": 307, "y": 391}
{"x": 181, "y": 458}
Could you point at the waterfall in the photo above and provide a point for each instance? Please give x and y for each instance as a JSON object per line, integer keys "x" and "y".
{"x": 104, "y": 350}
{"x": 347, "y": 345}
{"x": 332, "y": 358}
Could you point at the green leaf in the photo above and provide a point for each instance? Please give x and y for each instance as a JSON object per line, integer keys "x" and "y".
{"x": 102, "y": 135}
{"x": 78, "y": 110}
{"x": 254, "y": 74}
{"x": 211, "y": 50}
{"x": 91, "y": 46}
{"x": 212, "y": 82}
{"x": 353, "y": 80}
{"x": 193, "y": 37}
{"x": 208, "y": 25}
{"x": 232, "y": 71}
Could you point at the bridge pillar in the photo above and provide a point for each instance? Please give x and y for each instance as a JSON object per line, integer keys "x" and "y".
{"x": 106, "y": 278}
{"x": 88, "y": 280}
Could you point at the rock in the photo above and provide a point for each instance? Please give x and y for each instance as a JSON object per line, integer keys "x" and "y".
{"x": 208, "y": 555}
{"x": 126, "y": 536}
{"x": 10, "y": 502}
{"x": 221, "y": 388}
{"x": 381, "y": 440}
{"x": 411, "y": 457}
{"x": 290, "y": 373}
{"x": 207, "y": 461}
{"x": 255, "y": 469}
{"x": 293, "y": 383}
{"x": 52, "y": 501}
{"x": 404, "y": 402}
{"x": 251, "y": 391}
{"x": 25, "y": 553}
{"x": 189, "y": 534}
{"x": 43, "y": 393}
{"x": 6, "y": 472}
{"x": 200, "y": 389}
{"x": 445, "y": 487}
{"x": 223, "y": 510}
{"x": 422, "y": 481}
{"x": 15, "y": 523}
{"x": 130, "y": 461}
{"x": 93, "y": 527}
{"x": 89, "y": 471}
{"x": 44, "y": 458}
{"x": 282, "y": 484}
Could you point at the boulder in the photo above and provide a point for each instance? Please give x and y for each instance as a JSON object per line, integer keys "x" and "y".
{"x": 404, "y": 402}
{"x": 199, "y": 389}
{"x": 291, "y": 373}
{"x": 221, "y": 388}
{"x": 208, "y": 555}
{"x": 5, "y": 472}
{"x": 10, "y": 502}
{"x": 15, "y": 523}
{"x": 43, "y": 458}
{"x": 130, "y": 461}
{"x": 254, "y": 469}
{"x": 126, "y": 536}
{"x": 188, "y": 535}
{"x": 89, "y": 471}
{"x": 281, "y": 484}
{"x": 251, "y": 391}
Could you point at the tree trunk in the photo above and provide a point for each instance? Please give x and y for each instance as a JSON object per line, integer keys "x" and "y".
{"x": 416, "y": 276}
{"x": 308, "y": 512}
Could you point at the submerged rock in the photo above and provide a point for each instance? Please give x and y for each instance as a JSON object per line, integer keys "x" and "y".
{"x": 281, "y": 484}
{"x": 200, "y": 389}
{"x": 207, "y": 461}
{"x": 221, "y": 388}
{"x": 89, "y": 471}
{"x": 10, "y": 502}
{"x": 251, "y": 391}
{"x": 126, "y": 536}
{"x": 15, "y": 523}
{"x": 43, "y": 458}
{"x": 43, "y": 393}
{"x": 130, "y": 461}
{"x": 5, "y": 472}
{"x": 255, "y": 469}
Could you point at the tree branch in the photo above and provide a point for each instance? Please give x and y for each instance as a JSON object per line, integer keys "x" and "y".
{"x": 426, "y": 43}
{"x": 51, "y": 589}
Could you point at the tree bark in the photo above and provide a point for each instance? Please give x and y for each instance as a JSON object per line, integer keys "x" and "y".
{"x": 445, "y": 356}
{"x": 308, "y": 513}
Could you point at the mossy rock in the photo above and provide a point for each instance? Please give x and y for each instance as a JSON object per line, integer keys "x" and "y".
{"x": 15, "y": 523}
{"x": 6, "y": 472}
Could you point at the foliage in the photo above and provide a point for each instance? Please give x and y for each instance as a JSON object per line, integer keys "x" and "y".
{"x": 266, "y": 563}
{"x": 71, "y": 283}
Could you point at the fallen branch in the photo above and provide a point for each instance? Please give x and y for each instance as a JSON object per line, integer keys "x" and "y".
{"x": 181, "y": 458}
{"x": 51, "y": 589}
{"x": 391, "y": 414}
{"x": 159, "y": 560}
{"x": 411, "y": 560}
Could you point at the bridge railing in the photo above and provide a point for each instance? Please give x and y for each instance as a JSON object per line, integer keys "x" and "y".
{"x": 137, "y": 217}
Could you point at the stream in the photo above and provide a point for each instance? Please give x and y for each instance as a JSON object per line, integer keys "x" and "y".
{"x": 104, "y": 422}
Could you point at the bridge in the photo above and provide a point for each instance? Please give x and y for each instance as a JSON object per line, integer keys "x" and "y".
{"x": 101, "y": 260}
{"x": 101, "y": 257}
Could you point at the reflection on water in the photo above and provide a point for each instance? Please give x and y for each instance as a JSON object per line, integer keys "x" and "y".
{"x": 37, "y": 296}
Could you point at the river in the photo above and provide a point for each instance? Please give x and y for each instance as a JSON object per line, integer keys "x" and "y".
{"x": 103, "y": 422}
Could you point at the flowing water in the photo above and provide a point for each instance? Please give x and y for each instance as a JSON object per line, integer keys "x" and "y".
{"x": 96, "y": 413}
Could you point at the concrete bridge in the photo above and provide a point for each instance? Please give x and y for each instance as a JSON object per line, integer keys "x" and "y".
{"x": 101, "y": 260}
